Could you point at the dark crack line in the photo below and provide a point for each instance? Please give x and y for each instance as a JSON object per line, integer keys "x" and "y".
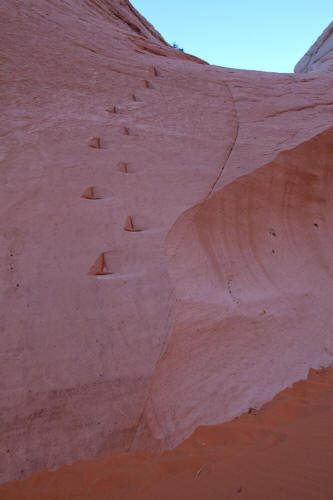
{"x": 232, "y": 147}
{"x": 301, "y": 108}
{"x": 140, "y": 419}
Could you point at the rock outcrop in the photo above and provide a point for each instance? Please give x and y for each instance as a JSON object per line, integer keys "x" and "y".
{"x": 166, "y": 245}
{"x": 319, "y": 57}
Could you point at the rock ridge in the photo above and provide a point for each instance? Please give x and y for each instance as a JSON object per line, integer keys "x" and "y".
{"x": 319, "y": 57}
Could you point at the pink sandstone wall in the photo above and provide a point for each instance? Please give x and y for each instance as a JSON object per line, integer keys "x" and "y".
{"x": 140, "y": 192}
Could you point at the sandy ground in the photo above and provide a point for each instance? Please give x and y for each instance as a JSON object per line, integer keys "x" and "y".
{"x": 281, "y": 451}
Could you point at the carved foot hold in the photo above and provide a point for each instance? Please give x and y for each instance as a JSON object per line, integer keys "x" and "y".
{"x": 100, "y": 267}
{"x": 125, "y": 168}
{"x": 148, "y": 85}
{"x": 95, "y": 143}
{"x": 113, "y": 110}
{"x": 92, "y": 193}
{"x": 130, "y": 226}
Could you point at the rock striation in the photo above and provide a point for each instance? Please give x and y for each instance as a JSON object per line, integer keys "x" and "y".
{"x": 165, "y": 235}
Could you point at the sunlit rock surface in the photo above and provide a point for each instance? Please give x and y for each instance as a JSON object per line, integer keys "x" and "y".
{"x": 319, "y": 57}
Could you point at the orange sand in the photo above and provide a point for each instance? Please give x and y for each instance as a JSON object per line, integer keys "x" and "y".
{"x": 282, "y": 451}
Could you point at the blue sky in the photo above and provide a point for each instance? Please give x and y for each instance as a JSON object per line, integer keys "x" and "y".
{"x": 262, "y": 35}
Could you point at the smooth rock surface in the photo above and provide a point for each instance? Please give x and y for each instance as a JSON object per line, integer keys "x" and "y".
{"x": 140, "y": 295}
{"x": 252, "y": 270}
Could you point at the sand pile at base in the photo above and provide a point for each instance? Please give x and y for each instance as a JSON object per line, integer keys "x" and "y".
{"x": 282, "y": 451}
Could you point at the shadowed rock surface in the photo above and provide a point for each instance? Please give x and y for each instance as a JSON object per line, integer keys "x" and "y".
{"x": 166, "y": 245}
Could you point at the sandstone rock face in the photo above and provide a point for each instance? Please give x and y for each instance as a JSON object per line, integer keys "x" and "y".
{"x": 143, "y": 195}
{"x": 88, "y": 306}
{"x": 252, "y": 271}
{"x": 320, "y": 55}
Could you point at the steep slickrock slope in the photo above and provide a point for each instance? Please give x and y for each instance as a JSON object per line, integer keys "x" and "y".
{"x": 142, "y": 194}
{"x": 87, "y": 305}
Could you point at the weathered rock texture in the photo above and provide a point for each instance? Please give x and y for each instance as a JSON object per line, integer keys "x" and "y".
{"x": 165, "y": 235}
{"x": 319, "y": 57}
